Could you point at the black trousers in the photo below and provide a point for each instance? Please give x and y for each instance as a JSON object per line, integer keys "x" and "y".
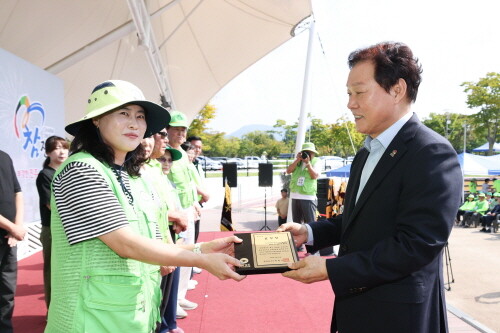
{"x": 8, "y": 280}
{"x": 486, "y": 220}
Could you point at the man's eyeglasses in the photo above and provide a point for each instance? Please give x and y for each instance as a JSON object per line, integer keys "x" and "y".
{"x": 163, "y": 134}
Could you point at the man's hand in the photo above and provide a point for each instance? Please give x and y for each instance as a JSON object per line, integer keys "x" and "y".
{"x": 165, "y": 270}
{"x": 204, "y": 197}
{"x": 309, "y": 270}
{"x": 180, "y": 222}
{"x": 299, "y": 232}
{"x": 17, "y": 231}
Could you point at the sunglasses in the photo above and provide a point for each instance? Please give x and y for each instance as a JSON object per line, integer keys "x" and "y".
{"x": 163, "y": 134}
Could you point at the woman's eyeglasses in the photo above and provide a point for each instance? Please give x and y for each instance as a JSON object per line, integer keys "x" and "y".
{"x": 164, "y": 159}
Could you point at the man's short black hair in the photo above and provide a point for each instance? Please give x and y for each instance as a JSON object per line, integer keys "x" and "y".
{"x": 194, "y": 138}
{"x": 284, "y": 190}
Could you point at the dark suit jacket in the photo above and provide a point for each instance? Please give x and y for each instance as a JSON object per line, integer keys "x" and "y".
{"x": 388, "y": 274}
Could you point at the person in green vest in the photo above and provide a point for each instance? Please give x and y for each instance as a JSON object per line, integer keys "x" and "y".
{"x": 466, "y": 206}
{"x": 182, "y": 177}
{"x": 303, "y": 184}
{"x": 480, "y": 208}
{"x": 473, "y": 186}
{"x": 496, "y": 184}
{"x": 106, "y": 244}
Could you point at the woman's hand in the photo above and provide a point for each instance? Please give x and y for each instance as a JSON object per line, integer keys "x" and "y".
{"x": 222, "y": 266}
{"x": 221, "y": 245}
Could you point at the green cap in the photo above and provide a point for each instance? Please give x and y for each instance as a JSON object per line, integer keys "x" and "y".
{"x": 471, "y": 196}
{"x": 309, "y": 146}
{"x": 113, "y": 94}
{"x": 488, "y": 193}
{"x": 176, "y": 155}
{"x": 178, "y": 119}
{"x": 481, "y": 194}
{"x": 496, "y": 194}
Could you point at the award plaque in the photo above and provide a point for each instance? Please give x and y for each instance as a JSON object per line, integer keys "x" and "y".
{"x": 265, "y": 252}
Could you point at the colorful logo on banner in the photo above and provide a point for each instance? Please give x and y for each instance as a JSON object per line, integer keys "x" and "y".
{"x": 30, "y": 128}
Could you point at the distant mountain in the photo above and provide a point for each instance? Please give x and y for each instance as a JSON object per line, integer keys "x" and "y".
{"x": 256, "y": 127}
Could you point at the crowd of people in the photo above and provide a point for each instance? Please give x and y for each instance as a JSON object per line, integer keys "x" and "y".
{"x": 119, "y": 220}
{"x": 480, "y": 207}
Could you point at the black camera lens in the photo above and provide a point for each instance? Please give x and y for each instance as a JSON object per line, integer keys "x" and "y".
{"x": 305, "y": 155}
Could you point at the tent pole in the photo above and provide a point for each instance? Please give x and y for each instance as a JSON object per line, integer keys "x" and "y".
{"x": 301, "y": 130}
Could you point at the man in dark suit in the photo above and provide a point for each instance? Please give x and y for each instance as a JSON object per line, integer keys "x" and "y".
{"x": 403, "y": 193}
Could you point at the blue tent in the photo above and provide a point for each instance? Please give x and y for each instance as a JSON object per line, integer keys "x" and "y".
{"x": 485, "y": 147}
{"x": 344, "y": 171}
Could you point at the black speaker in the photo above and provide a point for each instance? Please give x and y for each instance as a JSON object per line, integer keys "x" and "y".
{"x": 265, "y": 174}
{"x": 230, "y": 172}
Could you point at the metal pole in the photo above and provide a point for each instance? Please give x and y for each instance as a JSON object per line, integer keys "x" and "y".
{"x": 305, "y": 91}
{"x": 305, "y": 95}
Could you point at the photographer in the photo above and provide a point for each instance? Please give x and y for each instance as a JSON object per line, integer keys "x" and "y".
{"x": 303, "y": 185}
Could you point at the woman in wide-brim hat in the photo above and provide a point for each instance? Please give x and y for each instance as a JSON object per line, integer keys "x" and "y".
{"x": 105, "y": 252}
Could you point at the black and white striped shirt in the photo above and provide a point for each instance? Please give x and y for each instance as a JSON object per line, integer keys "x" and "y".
{"x": 86, "y": 204}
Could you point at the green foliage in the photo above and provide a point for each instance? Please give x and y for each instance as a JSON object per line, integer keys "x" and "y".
{"x": 484, "y": 95}
{"x": 199, "y": 124}
{"x": 290, "y": 135}
{"x": 259, "y": 143}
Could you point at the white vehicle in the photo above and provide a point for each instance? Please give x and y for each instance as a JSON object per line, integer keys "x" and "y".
{"x": 252, "y": 162}
{"x": 331, "y": 162}
{"x": 209, "y": 164}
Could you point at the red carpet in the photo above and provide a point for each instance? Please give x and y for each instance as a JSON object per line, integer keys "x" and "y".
{"x": 260, "y": 303}
{"x": 29, "y": 310}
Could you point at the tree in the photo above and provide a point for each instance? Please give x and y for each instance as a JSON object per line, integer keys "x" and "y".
{"x": 485, "y": 95}
{"x": 451, "y": 126}
{"x": 290, "y": 135}
{"x": 199, "y": 124}
{"x": 258, "y": 142}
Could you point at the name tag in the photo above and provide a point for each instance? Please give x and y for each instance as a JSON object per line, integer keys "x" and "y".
{"x": 300, "y": 181}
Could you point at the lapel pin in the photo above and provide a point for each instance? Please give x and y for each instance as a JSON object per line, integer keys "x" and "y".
{"x": 393, "y": 153}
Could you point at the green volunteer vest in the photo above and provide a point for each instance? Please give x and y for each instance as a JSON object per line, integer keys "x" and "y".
{"x": 153, "y": 174}
{"x": 482, "y": 207}
{"x": 197, "y": 177}
{"x": 94, "y": 289}
{"x": 468, "y": 205}
{"x": 310, "y": 186}
{"x": 181, "y": 176}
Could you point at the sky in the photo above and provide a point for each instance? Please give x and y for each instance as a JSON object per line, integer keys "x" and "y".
{"x": 455, "y": 41}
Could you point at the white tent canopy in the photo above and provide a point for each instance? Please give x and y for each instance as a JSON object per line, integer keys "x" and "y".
{"x": 194, "y": 47}
{"x": 486, "y": 147}
{"x": 478, "y": 165}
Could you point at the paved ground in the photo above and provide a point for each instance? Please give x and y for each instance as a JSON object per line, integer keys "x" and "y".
{"x": 474, "y": 298}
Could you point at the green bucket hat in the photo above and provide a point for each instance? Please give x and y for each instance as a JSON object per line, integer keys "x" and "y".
{"x": 113, "y": 94}
{"x": 176, "y": 155}
{"x": 178, "y": 119}
{"x": 310, "y": 147}
{"x": 496, "y": 194}
{"x": 471, "y": 196}
{"x": 481, "y": 194}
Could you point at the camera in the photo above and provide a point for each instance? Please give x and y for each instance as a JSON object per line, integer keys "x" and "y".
{"x": 304, "y": 155}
